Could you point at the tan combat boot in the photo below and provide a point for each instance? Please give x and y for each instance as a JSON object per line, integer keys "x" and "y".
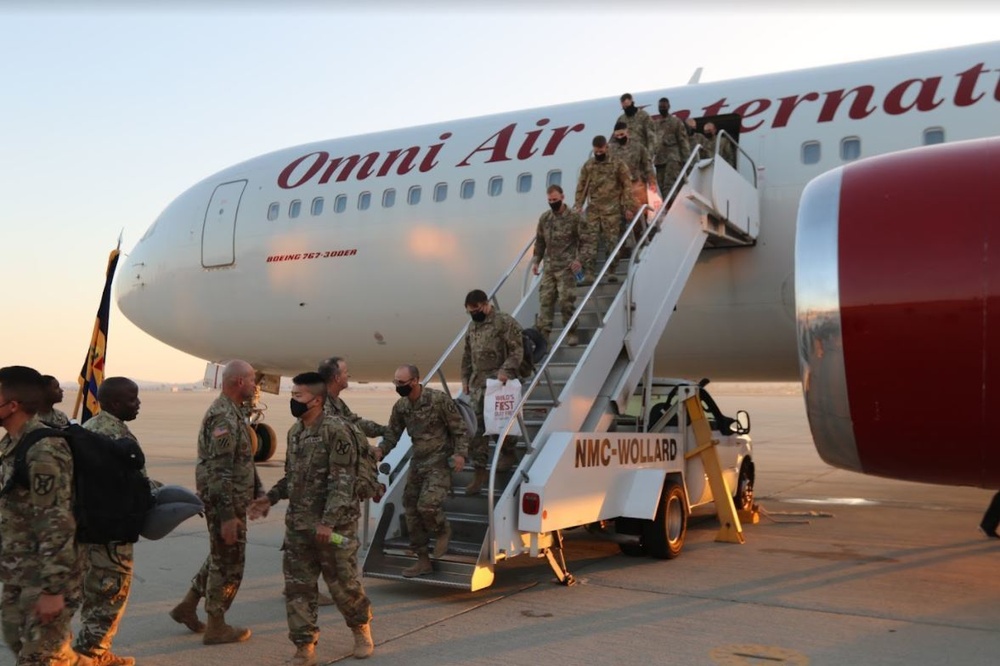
{"x": 506, "y": 462}
{"x": 218, "y": 632}
{"x": 109, "y": 658}
{"x": 186, "y": 612}
{"x": 477, "y": 482}
{"x": 363, "y": 645}
{"x": 305, "y": 655}
{"x": 421, "y": 567}
{"x": 441, "y": 543}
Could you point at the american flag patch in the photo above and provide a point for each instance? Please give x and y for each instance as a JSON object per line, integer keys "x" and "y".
{"x": 221, "y": 431}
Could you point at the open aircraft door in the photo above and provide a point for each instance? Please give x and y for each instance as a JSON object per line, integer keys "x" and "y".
{"x": 218, "y": 235}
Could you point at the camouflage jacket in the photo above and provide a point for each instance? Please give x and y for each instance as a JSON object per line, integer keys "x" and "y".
{"x": 436, "y": 428}
{"x": 640, "y": 129}
{"x": 671, "y": 141}
{"x": 636, "y": 158}
{"x": 320, "y": 474}
{"x": 726, "y": 150}
{"x": 225, "y": 474}
{"x": 37, "y": 527}
{"x": 56, "y": 418}
{"x": 698, "y": 139}
{"x": 337, "y": 407}
{"x": 557, "y": 240}
{"x": 491, "y": 345}
{"x": 607, "y": 185}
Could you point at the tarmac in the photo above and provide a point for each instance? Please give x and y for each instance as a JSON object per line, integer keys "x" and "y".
{"x": 841, "y": 569}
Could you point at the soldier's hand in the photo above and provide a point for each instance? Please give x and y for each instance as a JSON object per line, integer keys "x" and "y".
{"x": 576, "y": 267}
{"x": 377, "y": 450}
{"x": 502, "y": 376}
{"x": 48, "y": 607}
{"x": 259, "y": 508}
{"x": 323, "y": 534}
{"x": 231, "y": 531}
{"x": 534, "y": 269}
{"x": 459, "y": 462}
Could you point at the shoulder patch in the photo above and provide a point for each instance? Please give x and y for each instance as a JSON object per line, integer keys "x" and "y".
{"x": 43, "y": 483}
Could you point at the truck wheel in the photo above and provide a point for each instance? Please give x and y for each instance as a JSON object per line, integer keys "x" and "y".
{"x": 267, "y": 442}
{"x": 664, "y": 536}
{"x": 743, "y": 496}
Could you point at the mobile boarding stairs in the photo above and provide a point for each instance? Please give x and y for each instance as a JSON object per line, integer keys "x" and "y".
{"x": 582, "y": 464}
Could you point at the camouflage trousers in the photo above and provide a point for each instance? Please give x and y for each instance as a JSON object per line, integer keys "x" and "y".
{"x": 607, "y": 230}
{"x": 34, "y": 643}
{"x": 666, "y": 175}
{"x": 106, "y": 586}
{"x": 479, "y": 445}
{"x": 427, "y": 485}
{"x": 303, "y": 561}
{"x": 220, "y": 576}
{"x": 558, "y": 284}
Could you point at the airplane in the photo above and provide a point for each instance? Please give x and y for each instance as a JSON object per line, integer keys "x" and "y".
{"x": 365, "y": 246}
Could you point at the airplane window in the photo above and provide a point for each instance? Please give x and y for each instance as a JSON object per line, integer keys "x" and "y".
{"x": 389, "y": 198}
{"x": 340, "y": 203}
{"x": 933, "y": 135}
{"x": 413, "y": 196}
{"x": 364, "y": 200}
{"x": 440, "y": 192}
{"x": 524, "y": 183}
{"x": 554, "y": 177}
{"x": 294, "y": 208}
{"x": 496, "y": 186}
{"x": 317, "y": 206}
{"x": 468, "y": 189}
{"x": 272, "y": 211}
{"x": 810, "y": 152}
{"x": 850, "y": 149}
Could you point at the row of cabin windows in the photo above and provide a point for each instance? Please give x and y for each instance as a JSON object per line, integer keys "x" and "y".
{"x": 466, "y": 190}
{"x": 850, "y": 147}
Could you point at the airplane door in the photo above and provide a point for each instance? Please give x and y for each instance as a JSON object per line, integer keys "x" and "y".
{"x": 218, "y": 235}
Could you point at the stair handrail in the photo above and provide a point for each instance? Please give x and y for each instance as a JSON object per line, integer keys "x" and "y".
{"x": 726, "y": 137}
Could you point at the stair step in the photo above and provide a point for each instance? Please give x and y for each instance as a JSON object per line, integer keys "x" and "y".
{"x": 462, "y": 552}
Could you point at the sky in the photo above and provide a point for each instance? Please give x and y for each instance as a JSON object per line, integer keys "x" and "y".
{"x": 111, "y": 109}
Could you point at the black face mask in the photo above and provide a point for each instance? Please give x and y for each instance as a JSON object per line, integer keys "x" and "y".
{"x": 556, "y": 206}
{"x": 600, "y": 158}
{"x": 404, "y": 390}
{"x": 622, "y": 140}
{"x": 631, "y": 111}
{"x": 664, "y": 111}
{"x": 478, "y": 317}
{"x": 298, "y": 408}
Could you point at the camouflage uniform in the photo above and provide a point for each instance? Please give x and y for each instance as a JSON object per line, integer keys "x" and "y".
{"x": 108, "y": 575}
{"x": 726, "y": 150}
{"x": 558, "y": 242}
{"x": 54, "y": 418}
{"x": 39, "y": 549}
{"x": 672, "y": 149}
{"x": 698, "y": 139}
{"x": 338, "y": 407}
{"x": 607, "y": 186}
{"x": 437, "y": 431}
{"x": 226, "y": 480}
{"x": 319, "y": 484}
{"x": 640, "y": 167}
{"x": 641, "y": 129}
{"x": 490, "y": 345}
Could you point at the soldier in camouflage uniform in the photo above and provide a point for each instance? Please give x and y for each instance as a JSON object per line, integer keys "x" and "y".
{"x": 38, "y": 562}
{"x": 52, "y": 394}
{"x": 320, "y": 485}
{"x": 334, "y": 372}
{"x": 436, "y": 430}
{"x": 695, "y": 138}
{"x": 637, "y": 159}
{"x": 227, "y": 482}
{"x": 605, "y": 183}
{"x": 672, "y": 147}
{"x": 726, "y": 150}
{"x": 557, "y": 243}
{"x": 108, "y": 576}
{"x": 493, "y": 349}
{"x": 639, "y": 124}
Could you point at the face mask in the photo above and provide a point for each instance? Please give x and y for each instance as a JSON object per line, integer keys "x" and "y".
{"x": 298, "y": 408}
{"x": 600, "y": 158}
{"x": 478, "y": 316}
{"x": 556, "y": 206}
{"x": 622, "y": 140}
{"x": 664, "y": 111}
{"x": 631, "y": 111}
{"x": 404, "y": 390}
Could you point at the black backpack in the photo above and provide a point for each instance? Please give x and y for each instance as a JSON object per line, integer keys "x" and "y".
{"x": 111, "y": 495}
{"x": 535, "y": 346}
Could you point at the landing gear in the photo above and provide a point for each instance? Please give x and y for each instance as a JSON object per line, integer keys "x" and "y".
{"x": 264, "y": 441}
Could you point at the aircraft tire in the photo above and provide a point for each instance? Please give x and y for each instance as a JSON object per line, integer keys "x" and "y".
{"x": 266, "y": 440}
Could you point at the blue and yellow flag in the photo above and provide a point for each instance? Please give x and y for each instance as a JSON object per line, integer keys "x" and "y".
{"x": 92, "y": 373}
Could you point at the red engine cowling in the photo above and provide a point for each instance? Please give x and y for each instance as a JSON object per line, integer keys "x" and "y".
{"x": 897, "y": 289}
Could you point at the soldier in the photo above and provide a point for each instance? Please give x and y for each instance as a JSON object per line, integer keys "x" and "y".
{"x": 640, "y": 125}
{"x": 52, "y": 394}
{"x": 605, "y": 182}
{"x": 637, "y": 159}
{"x": 436, "y": 430}
{"x": 672, "y": 147}
{"x": 557, "y": 242}
{"x": 725, "y": 147}
{"x": 493, "y": 349}
{"x": 320, "y": 486}
{"x": 39, "y": 573}
{"x": 695, "y": 138}
{"x": 336, "y": 376}
{"x": 226, "y": 481}
{"x": 108, "y": 576}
